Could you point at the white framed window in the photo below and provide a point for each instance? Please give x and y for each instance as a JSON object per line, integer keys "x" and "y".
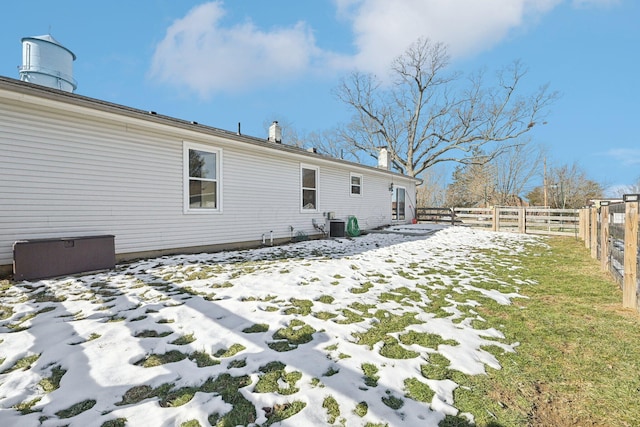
{"x": 202, "y": 178}
{"x": 398, "y": 204}
{"x": 355, "y": 185}
{"x": 309, "y": 188}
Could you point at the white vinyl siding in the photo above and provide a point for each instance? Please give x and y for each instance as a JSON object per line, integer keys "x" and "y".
{"x": 70, "y": 171}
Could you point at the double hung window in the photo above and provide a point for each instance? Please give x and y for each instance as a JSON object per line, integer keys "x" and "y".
{"x": 309, "y": 188}
{"x": 202, "y": 176}
{"x": 356, "y": 184}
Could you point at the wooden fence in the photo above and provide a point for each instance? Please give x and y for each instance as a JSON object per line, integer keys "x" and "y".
{"x": 561, "y": 222}
{"x": 610, "y": 232}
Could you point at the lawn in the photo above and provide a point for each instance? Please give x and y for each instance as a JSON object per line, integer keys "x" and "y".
{"x": 449, "y": 328}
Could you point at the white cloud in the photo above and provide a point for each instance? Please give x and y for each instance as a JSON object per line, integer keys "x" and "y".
{"x": 383, "y": 29}
{"x": 205, "y": 54}
{"x": 626, "y": 156}
{"x": 201, "y": 54}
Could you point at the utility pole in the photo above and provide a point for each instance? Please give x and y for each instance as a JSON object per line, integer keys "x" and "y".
{"x": 544, "y": 181}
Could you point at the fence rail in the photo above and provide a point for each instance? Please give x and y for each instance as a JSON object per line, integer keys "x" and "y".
{"x": 562, "y": 222}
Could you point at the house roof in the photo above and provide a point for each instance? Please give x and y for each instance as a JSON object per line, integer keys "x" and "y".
{"x": 44, "y": 92}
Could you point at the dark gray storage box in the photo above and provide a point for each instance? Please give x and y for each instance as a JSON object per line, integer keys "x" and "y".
{"x": 42, "y": 258}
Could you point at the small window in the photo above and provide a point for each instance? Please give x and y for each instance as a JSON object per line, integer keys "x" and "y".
{"x": 202, "y": 173}
{"x": 356, "y": 185}
{"x": 309, "y": 180}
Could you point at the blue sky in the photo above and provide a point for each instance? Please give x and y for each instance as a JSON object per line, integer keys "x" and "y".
{"x": 252, "y": 61}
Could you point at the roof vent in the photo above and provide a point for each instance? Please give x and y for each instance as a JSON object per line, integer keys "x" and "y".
{"x": 275, "y": 133}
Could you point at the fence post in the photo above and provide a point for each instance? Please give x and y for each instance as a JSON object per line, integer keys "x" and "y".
{"x": 495, "y": 226}
{"x": 594, "y": 233}
{"x": 522, "y": 220}
{"x": 587, "y": 228}
{"x": 605, "y": 262}
{"x": 630, "y": 283}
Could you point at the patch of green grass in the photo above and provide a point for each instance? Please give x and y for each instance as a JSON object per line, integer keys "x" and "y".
{"x": 238, "y": 363}
{"x": 331, "y": 372}
{"x": 5, "y": 312}
{"x": 149, "y": 333}
{"x": 117, "y": 422}
{"x": 202, "y": 359}
{"x": 242, "y": 412}
{"x": 363, "y": 289}
{"x": 361, "y": 409}
{"x": 333, "y": 409}
{"x": 363, "y": 308}
{"x": 371, "y": 376}
{"x": 281, "y": 412}
{"x": 183, "y": 340}
{"x": 273, "y": 374}
{"x": 161, "y": 359}
{"x": 425, "y": 339}
{"x": 23, "y": 363}
{"x": 399, "y": 295}
{"x": 190, "y": 423}
{"x": 385, "y": 323}
{"x": 417, "y": 390}
{"x": 137, "y": 394}
{"x": 393, "y": 350}
{"x": 292, "y": 336}
{"x": 300, "y": 306}
{"x": 25, "y": 408}
{"x": 51, "y": 383}
{"x": 437, "y": 368}
{"x": 350, "y": 317}
{"x": 392, "y": 402}
{"x": 257, "y": 328}
{"x": 229, "y": 352}
{"x": 45, "y": 296}
{"x": 324, "y": 315}
{"x": 76, "y": 409}
{"x": 325, "y": 299}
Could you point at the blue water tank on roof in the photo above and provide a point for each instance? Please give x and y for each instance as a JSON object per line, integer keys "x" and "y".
{"x": 47, "y": 63}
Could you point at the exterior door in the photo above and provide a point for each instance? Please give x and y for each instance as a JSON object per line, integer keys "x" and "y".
{"x": 398, "y": 205}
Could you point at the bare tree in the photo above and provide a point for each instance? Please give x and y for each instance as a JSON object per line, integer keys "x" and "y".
{"x": 432, "y": 191}
{"x": 567, "y": 187}
{"x": 429, "y": 115}
{"x": 473, "y": 184}
{"x": 628, "y": 189}
{"x": 514, "y": 170}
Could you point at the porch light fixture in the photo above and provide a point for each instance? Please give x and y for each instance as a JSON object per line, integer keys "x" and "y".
{"x": 631, "y": 197}
{"x": 391, "y": 187}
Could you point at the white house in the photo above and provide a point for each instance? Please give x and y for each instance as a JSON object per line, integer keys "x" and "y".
{"x": 73, "y": 166}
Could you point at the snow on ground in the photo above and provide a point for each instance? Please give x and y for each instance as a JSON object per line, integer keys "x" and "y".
{"x": 155, "y": 342}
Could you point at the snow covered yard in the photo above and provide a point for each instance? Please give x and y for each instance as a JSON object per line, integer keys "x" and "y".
{"x": 376, "y": 330}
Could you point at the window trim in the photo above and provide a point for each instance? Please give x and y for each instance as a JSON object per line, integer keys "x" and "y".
{"x": 302, "y": 189}
{"x": 361, "y": 177}
{"x": 186, "y": 146}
